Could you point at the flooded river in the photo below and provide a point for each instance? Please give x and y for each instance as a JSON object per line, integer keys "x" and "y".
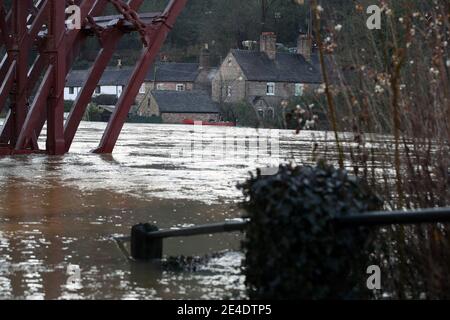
{"x": 58, "y": 213}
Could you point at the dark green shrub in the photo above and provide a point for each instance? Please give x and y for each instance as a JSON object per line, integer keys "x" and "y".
{"x": 68, "y": 105}
{"x": 293, "y": 250}
{"x": 242, "y": 113}
{"x": 307, "y": 107}
{"x": 94, "y": 113}
{"x": 105, "y": 100}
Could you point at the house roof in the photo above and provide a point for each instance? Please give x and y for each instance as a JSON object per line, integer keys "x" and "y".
{"x": 173, "y": 72}
{"x": 119, "y": 77}
{"x": 76, "y": 78}
{"x": 286, "y": 67}
{"x": 111, "y": 77}
{"x": 161, "y": 71}
{"x": 184, "y": 102}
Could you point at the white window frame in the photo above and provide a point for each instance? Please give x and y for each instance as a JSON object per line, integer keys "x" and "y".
{"x": 299, "y": 89}
{"x": 180, "y": 87}
{"x": 71, "y": 90}
{"x": 268, "y": 91}
{"x": 98, "y": 90}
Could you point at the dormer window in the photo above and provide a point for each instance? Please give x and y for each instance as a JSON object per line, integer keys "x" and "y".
{"x": 180, "y": 87}
{"x": 270, "y": 89}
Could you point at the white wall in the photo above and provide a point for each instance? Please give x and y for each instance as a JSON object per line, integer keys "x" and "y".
{"x": 71, "y": 97}
{"x": 110, "y": 90}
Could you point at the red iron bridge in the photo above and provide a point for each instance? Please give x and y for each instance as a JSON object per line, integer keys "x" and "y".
{"x": 39, "y": 48}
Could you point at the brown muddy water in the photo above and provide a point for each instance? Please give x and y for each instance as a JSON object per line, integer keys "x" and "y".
{"x": 60, "y": 212}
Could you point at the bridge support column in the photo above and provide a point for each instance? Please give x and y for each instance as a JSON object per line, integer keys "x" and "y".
{"x": 57, "y": 57}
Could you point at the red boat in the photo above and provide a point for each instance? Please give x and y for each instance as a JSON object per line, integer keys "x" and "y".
{"x": 204, "y": 123}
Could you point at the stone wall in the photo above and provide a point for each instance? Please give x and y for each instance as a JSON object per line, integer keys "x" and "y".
{"x": 177, "y": 118}
{"x": 152, "y": 109}
{"x": 283, "y": 90}
{"x": 229, "y": 75}
{"x": 172, "y": 86}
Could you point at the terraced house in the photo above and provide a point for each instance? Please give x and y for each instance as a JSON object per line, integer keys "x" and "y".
{"x": 266, "y": 77}
{"x": 172, "y": 91}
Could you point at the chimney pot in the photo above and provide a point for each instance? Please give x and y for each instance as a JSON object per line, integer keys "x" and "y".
{"x": 204, "y": 63}
{"x": 304, "y": 46}
{"x": 268, "y": 44}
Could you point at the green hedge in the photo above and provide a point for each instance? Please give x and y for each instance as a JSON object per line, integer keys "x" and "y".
{"x": 105, "y": 100}
{"x": 292, "y": 249}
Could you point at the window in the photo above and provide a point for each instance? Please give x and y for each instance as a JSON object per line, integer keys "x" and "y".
{"x": 270, "y": 113}
{"x": 229, "y": 91}
{"x": 160, "y": 86}
{"x": 261, "y": 113}
{"x": 299, "y": 89}
{"x": 98, "y": 90}
{"x": 180, "y": 87}
{"x": 142, "y": 89}
{"x": 71, "y": 90}
{"x": 270, "y": 89}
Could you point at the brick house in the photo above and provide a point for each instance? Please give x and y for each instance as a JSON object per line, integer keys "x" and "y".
{"x": 176, "y": 106}
{"x": 161, "y": 76}
{"x": 266, "y": 77}
{"x": 174, "y": 76}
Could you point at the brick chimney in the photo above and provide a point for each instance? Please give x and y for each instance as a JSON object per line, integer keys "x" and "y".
{"x": 304, "y": 45}
{"x": 268, "y": 44}
{"x": 204, "y": 61}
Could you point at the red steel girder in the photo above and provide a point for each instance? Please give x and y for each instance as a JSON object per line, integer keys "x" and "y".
{"x": 19, "y": 51}
{"x": 7, "y": 84}
{"x": 57, "y": 56}
{"x": 22, "y": 29}
{"x": 109, "y": 41}
{"x": 38, "y": 107}
{"x": 155, "y": 35}
{"x": 3, "y": 25}
{"x": 74, "y": 39}
{"x": 5, "y": 131}
{"x": 19, "y": 41}
{"x": 38, "y": 113}
{"x": 54, "y": 80}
